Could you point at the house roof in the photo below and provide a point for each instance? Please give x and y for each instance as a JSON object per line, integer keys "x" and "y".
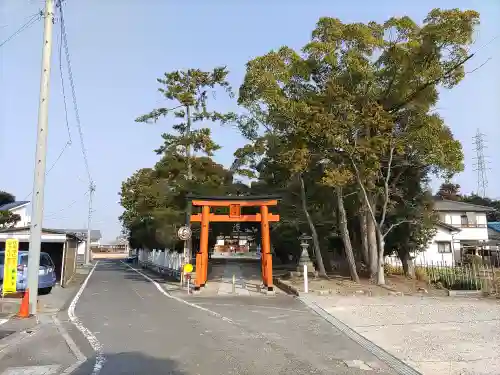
{"x": 445, "y": 205}
{"x": 451, "y": 228}
{"x": 44, "y": 230}
{"x": 95, "y": 235}
{"x": 13, "y": 205}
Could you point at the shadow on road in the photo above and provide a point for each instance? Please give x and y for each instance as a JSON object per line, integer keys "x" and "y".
{"x": 131, "y": 363}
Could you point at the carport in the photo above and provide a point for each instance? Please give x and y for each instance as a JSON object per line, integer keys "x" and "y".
{"x": 61, "y": 246}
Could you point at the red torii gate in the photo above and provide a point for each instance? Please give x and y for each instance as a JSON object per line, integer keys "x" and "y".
{"x": 235, "y": 203}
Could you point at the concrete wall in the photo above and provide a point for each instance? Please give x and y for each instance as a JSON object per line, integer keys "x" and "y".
{"x": 69, "y": 268}
{"x": 432, "y": 256}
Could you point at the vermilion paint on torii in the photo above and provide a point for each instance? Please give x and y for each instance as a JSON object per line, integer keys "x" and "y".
{"x": 235, "y": 204}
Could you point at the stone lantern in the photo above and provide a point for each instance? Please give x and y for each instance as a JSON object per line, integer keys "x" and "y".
{"x": 304, "y": 256}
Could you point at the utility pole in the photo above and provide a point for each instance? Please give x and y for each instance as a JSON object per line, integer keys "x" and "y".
{"x": 188, "y": 244}
{"x": 40, "y": 161}
{"x": 88, "y": 250}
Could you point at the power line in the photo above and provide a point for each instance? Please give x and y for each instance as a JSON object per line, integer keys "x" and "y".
{"x": 52, "y": 214}
{"x": 64, "y": 39}
{"x": 33, "y": 19}
{"x": 63, "y": 88}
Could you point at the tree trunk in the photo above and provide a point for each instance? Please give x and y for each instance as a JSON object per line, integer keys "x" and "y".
{"x": 345, "y": 235}
{"x": 372, "y": 245}
{"x": 363, "y": 231}
{"x": 408, "y": 267}
{"x": 380, "y": 260}
{"x": 317, "y": 250}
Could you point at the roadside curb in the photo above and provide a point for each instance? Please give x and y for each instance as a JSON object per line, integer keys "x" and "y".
{"x": 288, "y": 289}
{"x": 396, "y": 364}
{"x": 465, "y": 293}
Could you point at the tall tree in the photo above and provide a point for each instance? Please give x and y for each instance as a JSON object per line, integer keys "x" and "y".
{"x": 450, "y": 191}
{"x": 189, "y": 92}
{"x": 364, "y": 94}
{"x": 154, "y": 199}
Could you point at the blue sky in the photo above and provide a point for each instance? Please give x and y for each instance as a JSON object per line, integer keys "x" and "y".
{"x": 119, "y": 48}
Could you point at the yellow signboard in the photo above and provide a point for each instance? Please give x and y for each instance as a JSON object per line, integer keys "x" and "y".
{"x": 188, "y": 268}
{"x": 10, "y": 266}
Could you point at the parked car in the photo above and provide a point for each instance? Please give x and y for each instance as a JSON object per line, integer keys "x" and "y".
{"x": 46, "y": 273}
{"x": 134, "y": 259}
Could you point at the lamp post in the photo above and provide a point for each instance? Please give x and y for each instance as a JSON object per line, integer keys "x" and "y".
{"x": 305, "y": 261}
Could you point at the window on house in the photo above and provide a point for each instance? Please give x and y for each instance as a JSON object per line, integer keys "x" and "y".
{"x": 444, "y": 247}
{"x": 472, "y": 219}
{"x": 464, "y": 221}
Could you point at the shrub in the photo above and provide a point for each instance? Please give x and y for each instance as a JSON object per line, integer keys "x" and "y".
{"x": 392, "y": 270}
{"x": 421, "y": 274}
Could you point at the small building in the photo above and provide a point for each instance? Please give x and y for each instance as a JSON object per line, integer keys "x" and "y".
{"x": 95, "y": 241}
{"x": 61, "y": 246}
{"x": 18, "y": 208}
{"x": 462, "y": 231}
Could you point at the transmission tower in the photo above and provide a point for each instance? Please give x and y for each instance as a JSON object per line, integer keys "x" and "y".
{"x": 480, "y": 166}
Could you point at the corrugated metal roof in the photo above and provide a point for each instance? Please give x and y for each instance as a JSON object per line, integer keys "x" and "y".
{"x": 11, "y": 206}
{"x": 446, "y": 205}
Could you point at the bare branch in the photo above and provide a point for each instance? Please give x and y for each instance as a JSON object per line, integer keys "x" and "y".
{"x": 396, "y": 225}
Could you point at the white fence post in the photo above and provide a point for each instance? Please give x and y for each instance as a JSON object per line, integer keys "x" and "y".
{"x": 306, "y": 283}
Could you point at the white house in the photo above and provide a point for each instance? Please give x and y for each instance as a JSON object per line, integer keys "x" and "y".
{"x": 461, "y": 229}
{"x": 20, "y": 208}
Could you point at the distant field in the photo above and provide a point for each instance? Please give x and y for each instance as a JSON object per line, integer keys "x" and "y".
{"x": 109, "y": 255}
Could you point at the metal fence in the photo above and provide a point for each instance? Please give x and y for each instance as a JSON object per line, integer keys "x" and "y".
{"x": 161, "y": 261}
{"x": 469, "y": 276}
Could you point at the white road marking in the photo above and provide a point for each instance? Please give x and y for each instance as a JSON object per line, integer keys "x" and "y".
{"x": 2, "y": 321}
{"x": 94, "y": 343}
{"x": 278, "y": 316}
{"x": 165, "y": 293}
{"x": 80, "y": 357}
{"x": 32, "y": 370}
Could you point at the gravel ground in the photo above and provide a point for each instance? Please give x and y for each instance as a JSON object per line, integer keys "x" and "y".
{"x": 435, "y": 335}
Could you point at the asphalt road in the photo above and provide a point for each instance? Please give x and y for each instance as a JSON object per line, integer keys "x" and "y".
{"x": 142, "y": 331}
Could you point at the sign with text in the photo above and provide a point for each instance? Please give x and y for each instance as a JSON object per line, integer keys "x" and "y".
{"x": 10, "y": 266}
{"x": 234, "y": 210}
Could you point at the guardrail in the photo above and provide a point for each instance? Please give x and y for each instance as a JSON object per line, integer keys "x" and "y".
{"x": 165, "y": 262}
